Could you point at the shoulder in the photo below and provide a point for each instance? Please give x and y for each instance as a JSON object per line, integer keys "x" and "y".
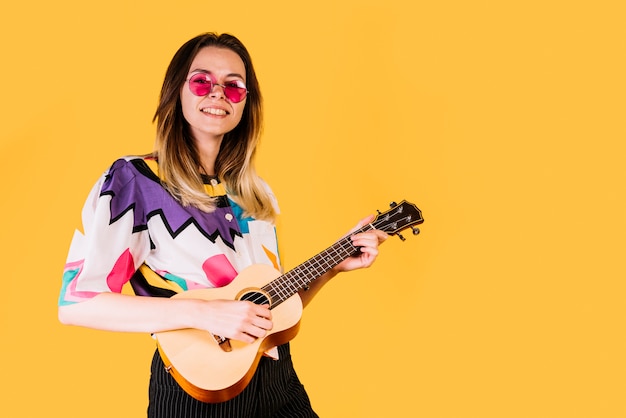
{"x": 129, "y": 170}
{"x": 141, "y": 164}
{"x": 131, "y": 166}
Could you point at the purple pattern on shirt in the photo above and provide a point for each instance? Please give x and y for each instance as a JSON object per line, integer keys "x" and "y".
{"x": 132, "y": 186}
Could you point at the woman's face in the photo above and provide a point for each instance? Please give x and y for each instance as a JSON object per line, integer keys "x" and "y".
{"x": 214, "y": 114}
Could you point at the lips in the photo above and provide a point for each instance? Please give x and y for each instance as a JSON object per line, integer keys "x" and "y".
{"x": 214, "y": 111}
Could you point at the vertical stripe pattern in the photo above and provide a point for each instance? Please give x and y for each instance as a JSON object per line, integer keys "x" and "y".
{"x": 274, "y": 392}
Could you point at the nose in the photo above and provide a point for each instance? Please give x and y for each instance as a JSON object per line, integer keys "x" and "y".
{"x": 215, "y": 92}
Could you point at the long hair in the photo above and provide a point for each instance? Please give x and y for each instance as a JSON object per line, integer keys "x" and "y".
{"x": 175, "y": 148}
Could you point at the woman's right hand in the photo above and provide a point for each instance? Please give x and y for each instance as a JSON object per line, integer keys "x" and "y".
{"x": 238, "y": 320}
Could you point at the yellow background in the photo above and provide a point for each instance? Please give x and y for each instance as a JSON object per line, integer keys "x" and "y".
{"x": 503, "y": 121}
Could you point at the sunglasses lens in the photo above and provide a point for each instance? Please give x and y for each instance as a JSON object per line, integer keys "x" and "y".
{"x": 235, "y": 91}
{"x": 200, "y": 84}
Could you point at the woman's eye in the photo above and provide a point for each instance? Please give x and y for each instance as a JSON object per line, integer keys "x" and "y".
{"x": 235, "y": 83}
{"x": 200, "y": 79}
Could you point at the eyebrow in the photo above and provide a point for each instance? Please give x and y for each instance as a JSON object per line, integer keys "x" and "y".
{"x": 200, "y": 70}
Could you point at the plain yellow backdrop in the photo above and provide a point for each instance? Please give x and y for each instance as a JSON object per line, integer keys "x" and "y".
{"x": 502, "y": 120}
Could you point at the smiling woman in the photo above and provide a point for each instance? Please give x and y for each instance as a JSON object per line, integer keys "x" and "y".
{"x": 180, "y": 117}
{"x": 192, "y": 215}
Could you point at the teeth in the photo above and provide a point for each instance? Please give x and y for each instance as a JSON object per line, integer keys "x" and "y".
{"x": 219, "y": 112}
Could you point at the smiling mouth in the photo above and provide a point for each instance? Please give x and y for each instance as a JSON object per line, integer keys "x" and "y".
{"x": 212, "y": 111}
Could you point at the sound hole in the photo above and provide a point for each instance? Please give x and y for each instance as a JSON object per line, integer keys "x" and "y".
{"x": 255, "y": 297}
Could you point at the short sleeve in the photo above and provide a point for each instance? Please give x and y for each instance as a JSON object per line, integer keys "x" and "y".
{"x": 105, "y": 255}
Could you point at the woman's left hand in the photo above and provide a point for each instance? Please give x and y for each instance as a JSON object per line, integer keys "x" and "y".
{"x": 368, "y": 243}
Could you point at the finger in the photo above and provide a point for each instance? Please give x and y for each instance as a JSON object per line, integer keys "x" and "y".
{"x": 369, "y": 250}
{"x": 382, "y": 236}
{"x": 263, "y": 311}
{"x": 263, "y": 323}
{"x": 378, "y": 235}
{"x": 368, "y": 239}
{"x": 255, "y": 331}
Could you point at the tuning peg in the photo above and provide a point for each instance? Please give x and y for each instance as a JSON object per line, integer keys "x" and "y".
{"x": 401, "y": 237}
{"x": 416, "y": 230}
{"x": 393, "y": 204}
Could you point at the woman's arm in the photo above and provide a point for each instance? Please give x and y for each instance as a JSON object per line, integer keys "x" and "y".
{"x": 243, "y": 321}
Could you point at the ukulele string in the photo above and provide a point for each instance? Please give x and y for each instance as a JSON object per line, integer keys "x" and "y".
{"x": 283, "y": 286}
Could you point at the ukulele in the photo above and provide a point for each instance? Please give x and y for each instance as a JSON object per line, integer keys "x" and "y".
{"x": 215, "y": 369}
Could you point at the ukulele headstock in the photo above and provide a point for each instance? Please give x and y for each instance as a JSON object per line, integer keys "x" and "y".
{"x": 399, "y": 217}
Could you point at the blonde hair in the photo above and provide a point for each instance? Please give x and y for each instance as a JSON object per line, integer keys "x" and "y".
{"x": 174, "y": 146}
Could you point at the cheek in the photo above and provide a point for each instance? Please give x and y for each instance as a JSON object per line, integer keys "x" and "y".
{"x": 239, "y": 112}
{"x": 187, "y": 106}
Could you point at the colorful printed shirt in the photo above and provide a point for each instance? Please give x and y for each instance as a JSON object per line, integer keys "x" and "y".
{"x": 135, "y": 232}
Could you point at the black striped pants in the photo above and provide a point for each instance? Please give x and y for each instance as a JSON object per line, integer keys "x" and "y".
{"x": 274, "y": 391}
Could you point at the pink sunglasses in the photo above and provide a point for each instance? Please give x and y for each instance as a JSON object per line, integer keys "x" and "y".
{"x": 201, "y": 84}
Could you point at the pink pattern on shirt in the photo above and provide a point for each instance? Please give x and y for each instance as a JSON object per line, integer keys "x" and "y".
{"x": 71, "y": 294}
{"x": 122, "y": 271}
{"x": 218, "y": 270}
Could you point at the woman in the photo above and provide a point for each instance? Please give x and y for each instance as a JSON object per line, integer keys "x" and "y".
{"x": 192, "y": 215}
